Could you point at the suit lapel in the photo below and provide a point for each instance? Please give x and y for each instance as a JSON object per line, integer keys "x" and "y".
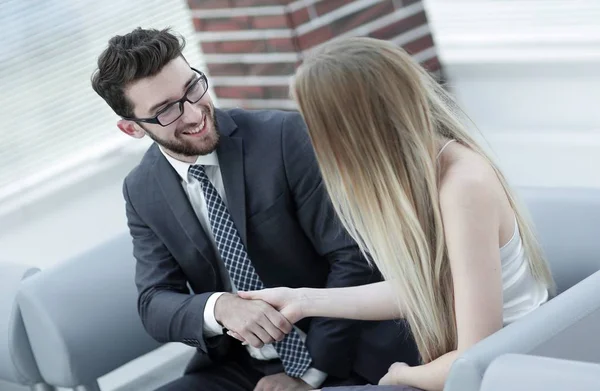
{"x": 175, "y": 197}
{"x": 231, "y": 162}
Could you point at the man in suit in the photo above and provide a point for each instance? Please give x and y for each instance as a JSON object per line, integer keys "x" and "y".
{"x": 226, "y": 201}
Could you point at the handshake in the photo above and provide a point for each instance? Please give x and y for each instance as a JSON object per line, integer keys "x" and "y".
{"x": 261, "y": 317}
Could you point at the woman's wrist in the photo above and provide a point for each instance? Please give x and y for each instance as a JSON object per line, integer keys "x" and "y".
{"x": 306, "y": 301}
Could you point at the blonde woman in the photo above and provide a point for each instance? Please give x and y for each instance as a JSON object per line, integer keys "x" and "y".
{"x": 422, "y": 199}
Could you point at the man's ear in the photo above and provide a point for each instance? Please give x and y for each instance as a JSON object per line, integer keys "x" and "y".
{"x": 131, "y": 128}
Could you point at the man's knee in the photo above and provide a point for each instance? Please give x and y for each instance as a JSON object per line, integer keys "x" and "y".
{"x": 191, "y": 382}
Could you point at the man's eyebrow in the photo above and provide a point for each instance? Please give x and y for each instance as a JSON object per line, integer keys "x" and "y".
{"x": 185, "y": 87}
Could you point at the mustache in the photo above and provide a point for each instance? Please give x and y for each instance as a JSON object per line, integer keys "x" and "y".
{"x": 206, "y": 113}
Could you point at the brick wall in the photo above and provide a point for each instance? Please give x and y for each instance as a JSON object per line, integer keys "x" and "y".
{"x": 252, "y": 47}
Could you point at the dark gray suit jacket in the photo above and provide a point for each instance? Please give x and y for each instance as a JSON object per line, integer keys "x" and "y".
{"x": 281, "y": 209}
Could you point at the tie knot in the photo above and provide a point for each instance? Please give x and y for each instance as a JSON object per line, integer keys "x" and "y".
{"x": 198, "y": 172}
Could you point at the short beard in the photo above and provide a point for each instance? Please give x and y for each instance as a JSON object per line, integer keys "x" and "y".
{"x": 185, "y": 149}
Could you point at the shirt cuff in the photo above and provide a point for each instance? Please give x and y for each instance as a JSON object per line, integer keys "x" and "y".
{"x": 211, "y": 327}
{"x": 314, "y": 377}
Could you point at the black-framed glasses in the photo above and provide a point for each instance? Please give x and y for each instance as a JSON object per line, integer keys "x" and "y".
{"x": 171, "y": 113}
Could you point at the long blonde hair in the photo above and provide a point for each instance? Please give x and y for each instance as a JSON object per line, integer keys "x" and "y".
{"x": 375, "y": 118}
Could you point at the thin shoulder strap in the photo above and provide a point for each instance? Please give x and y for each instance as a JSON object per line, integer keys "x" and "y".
{"x": 442, "y": 149}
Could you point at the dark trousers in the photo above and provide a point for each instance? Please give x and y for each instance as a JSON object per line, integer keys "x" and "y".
{"x": 240, "y": 373}
{"x": 371, "y": 388}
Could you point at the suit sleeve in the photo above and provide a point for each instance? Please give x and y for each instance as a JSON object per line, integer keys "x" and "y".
{"x": 168, "y": 311}
{"x": 331, "y": 342}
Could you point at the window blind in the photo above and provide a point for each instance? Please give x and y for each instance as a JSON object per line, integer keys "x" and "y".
{"x": 519, "y": 30}
{"x": 51, "y": 119}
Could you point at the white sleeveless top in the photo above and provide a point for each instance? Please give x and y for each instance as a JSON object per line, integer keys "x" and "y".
{"x": 520, "y": 291}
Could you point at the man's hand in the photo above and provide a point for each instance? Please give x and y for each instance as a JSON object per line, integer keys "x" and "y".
{"x": 254, "y": 320}
{"x": 290, "y": 302}
{"x": 281, "y": 382}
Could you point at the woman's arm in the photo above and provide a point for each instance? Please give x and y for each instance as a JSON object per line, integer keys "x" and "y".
{"x": 366, "y": 302}
{"x": 470, "y": 213}
{"x": 429, "y": 377}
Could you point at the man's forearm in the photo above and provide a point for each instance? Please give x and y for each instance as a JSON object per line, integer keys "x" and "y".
{"x": 170, "y": 316}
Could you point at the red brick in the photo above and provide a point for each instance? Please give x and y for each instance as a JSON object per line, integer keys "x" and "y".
{"x": 432, "y": 64}
{"x": 299, "y": 17}
{"x": 209, "y": 47}
{"x": 270, "y": 22}
{"x": 251, "y": 46}
{"x": 419, "y": 45}
{"x": 403, "y": 3}
{"x": 197, "y": 24}
{"x": 235, "y": 69}
{"x": 375, "y": 10}
{"x": 222, "y": 24}
{"x": 252, "y": 92}
{"x": 324, "y": 7}
{"x": 272, "y": 69}
{"x": 281, "y": 45}
{"x": 248, "y": 106}
{"x": 208, "y": 4}
{"x": 255, "y": 3}
{"x": 239, "y": 69}
{"x": 274, "y": 45}
{"x": 276, "y": 92}
{"x": 315, "y": 37}
{"x": 396, "y": 28}
{"x": 362, "y": 17}
{"x": 239, "y": 92}
{"x": 227, "y": 47}
{"x": 220, "y": 4}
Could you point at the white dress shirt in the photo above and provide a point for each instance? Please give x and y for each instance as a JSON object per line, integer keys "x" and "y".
{"x": 193, "y": 189}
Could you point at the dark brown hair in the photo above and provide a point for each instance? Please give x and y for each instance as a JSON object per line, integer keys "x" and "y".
{"x": 130, "y": 57}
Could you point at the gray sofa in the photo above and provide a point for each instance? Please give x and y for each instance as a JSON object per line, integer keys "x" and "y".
{"x": 17, "y": 364}
{"x": 568, "y": 224}
{"x": 81, "y": 316}
{"x": 517, "y": 372}
{"x": 82, "y": 320}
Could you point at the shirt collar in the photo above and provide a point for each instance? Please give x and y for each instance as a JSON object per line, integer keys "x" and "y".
{"x": 182, "y": 167}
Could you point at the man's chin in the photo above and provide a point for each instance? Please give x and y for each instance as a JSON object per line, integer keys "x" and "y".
{"x": 202, "y": 147}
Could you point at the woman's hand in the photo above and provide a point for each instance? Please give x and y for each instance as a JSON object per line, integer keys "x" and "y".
{"x": 394, "y": 375}
{"x": 289, "y": 302}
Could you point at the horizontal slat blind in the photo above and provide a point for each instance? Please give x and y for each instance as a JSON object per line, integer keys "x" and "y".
{"x": 51, "y": 119}
{"x": 515, "y": 30}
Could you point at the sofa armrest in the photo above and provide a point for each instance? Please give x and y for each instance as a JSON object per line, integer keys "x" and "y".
{"x": 517, "y": 372}
{"x": 565, "y": 327}
{"x": 81, "y": 315}
{"x": 17, "y": 363}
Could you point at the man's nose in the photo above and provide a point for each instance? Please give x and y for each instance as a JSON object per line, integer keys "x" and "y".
{"x": 191, "y": 112}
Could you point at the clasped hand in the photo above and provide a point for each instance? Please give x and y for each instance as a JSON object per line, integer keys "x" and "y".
{"x": 259, "y": 317}
{"x": 254, "y": 322}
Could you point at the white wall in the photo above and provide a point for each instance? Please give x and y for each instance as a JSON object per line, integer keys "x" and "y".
{"x": 69, "y": 221}
{"x": 540, "y": 119}
{"x": 526, "y": 72}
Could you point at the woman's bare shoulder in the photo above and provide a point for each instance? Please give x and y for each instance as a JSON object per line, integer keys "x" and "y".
{"x": 468, "y": 178}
